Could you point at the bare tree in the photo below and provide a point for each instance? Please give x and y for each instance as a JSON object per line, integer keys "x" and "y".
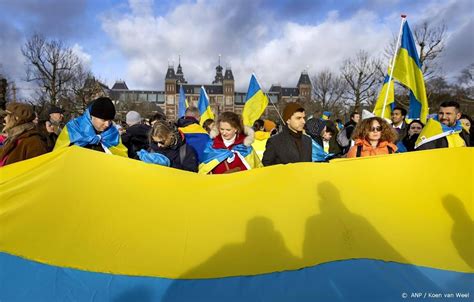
{"x": 467, "y": 76}
{"x": 328, "y": 89}
{"x": 362, "y": 78}
{"x": 51, "y": 64}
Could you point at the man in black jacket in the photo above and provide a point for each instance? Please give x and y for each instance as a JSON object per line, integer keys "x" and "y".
{"x": 136, "y": 136}
{"x": 291, "y": 145}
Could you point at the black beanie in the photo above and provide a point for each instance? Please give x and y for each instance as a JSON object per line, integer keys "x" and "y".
{"x": 103, "y": 108}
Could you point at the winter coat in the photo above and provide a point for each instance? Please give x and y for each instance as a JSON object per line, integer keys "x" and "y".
{"x": 225, "y": 167}
{"x": 261, "y": 138}
{"x": 367, "y": 149}
{"x": 136, "y": 138}
{"x": 282, "y": 149}
{"x": 27, "y": 145}
{"x": 173, "y": 153}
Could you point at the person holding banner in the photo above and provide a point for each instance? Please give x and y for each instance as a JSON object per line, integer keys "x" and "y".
{"x": 291, "y": 145}
{"x": 23, "y": 140}
{"x": 94, "y": 130}
{"x": 444, "y": 130}
{"x": 230, "y": 150}
{"x": 373, "y": 136}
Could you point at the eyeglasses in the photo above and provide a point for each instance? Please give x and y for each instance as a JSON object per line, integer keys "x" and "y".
{"x": 376, "y": 129}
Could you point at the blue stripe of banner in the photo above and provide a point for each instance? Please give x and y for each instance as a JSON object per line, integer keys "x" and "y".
{"x": 409, "y": 44}
{"x": 350, "y": 280}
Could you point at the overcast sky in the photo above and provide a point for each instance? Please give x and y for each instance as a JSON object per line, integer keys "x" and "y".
{"x": 135, "y": 40}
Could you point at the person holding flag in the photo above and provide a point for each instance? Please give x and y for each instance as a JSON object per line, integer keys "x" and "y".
{"x": 231, "y": 150}
{"x": 444, "y": 130}
{"x": 94, "y": 130}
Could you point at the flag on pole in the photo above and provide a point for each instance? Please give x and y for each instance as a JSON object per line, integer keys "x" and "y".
{"x": 378, "y": 109}
{"x": 204, "y": 107}
{"x": 407, "y": 71}
{"x": 182, "y": 103}
{"x": 255, "y": 102}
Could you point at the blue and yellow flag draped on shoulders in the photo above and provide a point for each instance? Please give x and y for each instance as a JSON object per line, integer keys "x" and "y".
{"x": 298, "y": 232}
{"x": 212, "y": 157}
{"x": 204, "y": 106}
{"x": 80, "y": 132}
{"x": 255, "y": 102}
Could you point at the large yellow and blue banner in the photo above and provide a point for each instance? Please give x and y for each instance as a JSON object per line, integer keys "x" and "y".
{"x": 408, "y": 72}
{"x": 204, "y": 106}
{"x": 80, "y": 225}
{"x": 255, "y": 102}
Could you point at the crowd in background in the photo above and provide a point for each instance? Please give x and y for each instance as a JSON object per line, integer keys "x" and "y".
{"x": 225, "y": 145}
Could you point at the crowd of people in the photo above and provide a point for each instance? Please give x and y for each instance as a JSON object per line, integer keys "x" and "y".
{"x": 225, "y": 145}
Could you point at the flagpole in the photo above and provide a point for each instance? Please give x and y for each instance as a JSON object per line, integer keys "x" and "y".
{"x": 278, "y": 112}
{"x": 392, "y": 67}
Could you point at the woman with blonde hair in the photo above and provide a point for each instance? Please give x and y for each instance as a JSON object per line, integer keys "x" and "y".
{"x": 373, "y": 136}
{"x": 230, "y": 150}
{"x": 170, "y": 143}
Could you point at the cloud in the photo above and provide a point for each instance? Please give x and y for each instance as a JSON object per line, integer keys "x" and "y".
{"x": 248, "y": 40}
{"x": 82, "y": 55}
{"x": 12, "y": 62}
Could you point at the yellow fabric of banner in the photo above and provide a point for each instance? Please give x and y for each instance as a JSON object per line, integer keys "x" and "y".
{"x": 84, "y": 209}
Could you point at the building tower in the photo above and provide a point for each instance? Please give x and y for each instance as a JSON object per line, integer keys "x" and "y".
{"x": 228, "y": 89}
{"x": 170, "y": 92}
{"x": 219, "y": 78}
{"x": 304, "y": 86}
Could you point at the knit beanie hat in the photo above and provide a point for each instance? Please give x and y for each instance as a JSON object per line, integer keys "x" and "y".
{"x": 55, "y": 109}
{"x": 290, "y": 109}
{"x": 23, "y": 112}
{"x": 103, "y": 108}
{"x": 133, "y": 118}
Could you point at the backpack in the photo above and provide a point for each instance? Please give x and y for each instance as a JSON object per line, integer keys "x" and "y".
{"x": 342, "y": 138}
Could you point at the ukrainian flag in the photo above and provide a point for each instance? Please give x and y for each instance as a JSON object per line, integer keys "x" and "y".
{"x": 204, "y": 107}
{"x": 408, "y": 72}
{"x": 255, "y": 102}
{"x": 182, "y": 103}
{"x": 381, "y": 98}
{"x": 326, "y": 115}
{"x": 70, "y": 234}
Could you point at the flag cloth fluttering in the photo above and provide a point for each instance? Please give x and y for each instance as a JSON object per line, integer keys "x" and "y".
{"x": 204, "y": 107}
{"x": 255, "y": 102}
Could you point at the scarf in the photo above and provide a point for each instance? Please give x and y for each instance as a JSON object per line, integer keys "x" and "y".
{"x": 82, "y": 133}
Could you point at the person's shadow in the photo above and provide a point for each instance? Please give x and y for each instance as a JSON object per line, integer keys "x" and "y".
{"x": 462, "y": 235}
{"x": 263, "y": 250}
{"x": 356, "y": 262}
